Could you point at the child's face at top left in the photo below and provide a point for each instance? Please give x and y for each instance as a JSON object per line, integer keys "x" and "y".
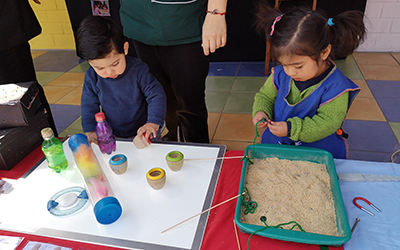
{"x": 112, "y": 65}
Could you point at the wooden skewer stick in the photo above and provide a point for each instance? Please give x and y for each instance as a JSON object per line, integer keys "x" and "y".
{"x": 202, "y": 212}
{"x": 217, "y": 158}
{"x": 237, "y": 236}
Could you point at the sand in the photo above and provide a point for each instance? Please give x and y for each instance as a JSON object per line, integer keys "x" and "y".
{"x": 291, "y": 191}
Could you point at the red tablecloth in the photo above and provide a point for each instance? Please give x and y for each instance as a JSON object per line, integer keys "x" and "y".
{"x": 24, "y": 165}
{"x": 220, "y": 231}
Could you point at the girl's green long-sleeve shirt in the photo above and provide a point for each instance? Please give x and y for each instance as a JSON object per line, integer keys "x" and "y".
{"x": 326, "y": 121}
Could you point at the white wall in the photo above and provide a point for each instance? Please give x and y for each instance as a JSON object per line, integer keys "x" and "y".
{"x": 382, "y": 20}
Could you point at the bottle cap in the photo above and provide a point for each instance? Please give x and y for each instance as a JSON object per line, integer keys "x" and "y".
{"x": 100, "y": 117}
{"x": 47, "y": 133}
{"x": 78, "y": 140}
{"x": 107, "y": 210}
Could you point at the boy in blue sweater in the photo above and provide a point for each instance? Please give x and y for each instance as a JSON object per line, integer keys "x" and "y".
{"x": 132, "y": 99}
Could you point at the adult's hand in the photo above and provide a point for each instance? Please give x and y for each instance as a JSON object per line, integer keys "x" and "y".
{"x": 214, "y": 33}
{"x": 214, "y": 27}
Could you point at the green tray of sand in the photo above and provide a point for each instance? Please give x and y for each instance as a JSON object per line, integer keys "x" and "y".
{"x": 291, "y": 153}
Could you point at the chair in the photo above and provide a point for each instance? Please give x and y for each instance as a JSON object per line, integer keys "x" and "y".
{"x": 268, "y": 56}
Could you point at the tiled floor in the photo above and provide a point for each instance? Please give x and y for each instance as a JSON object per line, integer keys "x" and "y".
{"x": 373, "y": 122}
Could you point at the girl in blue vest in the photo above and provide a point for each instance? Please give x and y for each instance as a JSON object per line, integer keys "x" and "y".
{"x": 305, "y": 100}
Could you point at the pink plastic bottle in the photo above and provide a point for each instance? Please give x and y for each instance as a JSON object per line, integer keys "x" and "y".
{"x": 105, "y": 137}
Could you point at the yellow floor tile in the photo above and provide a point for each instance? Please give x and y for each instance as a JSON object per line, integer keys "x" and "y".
{"x": 364, "y": 58}
{"x": 380, "y": 72}
{"x": 164, "y": 132}
{"x": 68, "y": 79}
{"x": 396, "y": 55}
{"x": 55, "y": 93}
{"x": 366, "y": 109}
{"x": 36, "y": 53}
{"x": 213, "y": 120}
{"x": 365, "y": 90}
{"x": 72, "y": 98}
{"x": 236, "y": 127}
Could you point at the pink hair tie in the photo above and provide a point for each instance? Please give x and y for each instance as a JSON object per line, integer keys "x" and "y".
{"x": 273, "y": 24}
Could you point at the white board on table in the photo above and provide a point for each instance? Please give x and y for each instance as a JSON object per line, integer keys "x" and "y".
{"x": 145, "y": 212}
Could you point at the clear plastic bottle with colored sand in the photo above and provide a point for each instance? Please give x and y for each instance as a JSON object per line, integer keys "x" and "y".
{"x": 105, "y": 137}
{"x": 53, "y": 150}
{"x": 106, "y": 206}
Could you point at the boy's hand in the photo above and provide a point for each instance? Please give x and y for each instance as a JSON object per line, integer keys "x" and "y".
{"x": 278, "y": 128}
{"x": 92, "y": 137}
{"x": 150, "y": 129}
{"x": 260, "y": 115}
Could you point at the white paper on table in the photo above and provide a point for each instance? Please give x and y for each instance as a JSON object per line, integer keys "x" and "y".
{"x": 34, "y": 245}
{"x": 10, "y": 242}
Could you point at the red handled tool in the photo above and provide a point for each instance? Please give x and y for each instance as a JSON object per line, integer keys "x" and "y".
{"x": 367, "y": 201}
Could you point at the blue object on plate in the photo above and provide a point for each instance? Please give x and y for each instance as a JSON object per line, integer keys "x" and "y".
{"x": 107, "y": 210}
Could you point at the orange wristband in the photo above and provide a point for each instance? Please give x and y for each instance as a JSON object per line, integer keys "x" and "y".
{"x": 214, "y": 12}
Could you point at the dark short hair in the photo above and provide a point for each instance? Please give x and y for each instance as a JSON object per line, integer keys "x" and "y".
{"x": 97, "y": 36}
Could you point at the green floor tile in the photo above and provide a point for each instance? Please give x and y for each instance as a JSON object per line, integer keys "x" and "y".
{"x": 239, "y": 103}
{"x": 69, "y": 132}
{"x": 215, "y": 101}
{"x": 395, "y": 126}
{"x": 349, "y": 68}
{"x": 248, "y": 84}
{"x": 74, "y": 128}
{"x": 219, "y": 83}
{"x": 81, "y": 68}
{"x": 44, "y": 77}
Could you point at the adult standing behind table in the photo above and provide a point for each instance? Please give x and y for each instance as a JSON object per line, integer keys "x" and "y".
{"x": 174, "y": 38}
{"x": 18, "y": 24}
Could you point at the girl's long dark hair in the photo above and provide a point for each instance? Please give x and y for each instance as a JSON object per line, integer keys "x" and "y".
{"x": 302, "y": 31}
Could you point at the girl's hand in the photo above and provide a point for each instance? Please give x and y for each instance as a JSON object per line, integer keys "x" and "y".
{"x": 278, "y": 128}
{"x": 260, "y": 115}
{"x": 149, "y": 130}
{"x": 92, "y": 137}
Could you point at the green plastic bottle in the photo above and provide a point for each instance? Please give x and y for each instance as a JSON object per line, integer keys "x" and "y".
{"x": 53, "y": 150}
